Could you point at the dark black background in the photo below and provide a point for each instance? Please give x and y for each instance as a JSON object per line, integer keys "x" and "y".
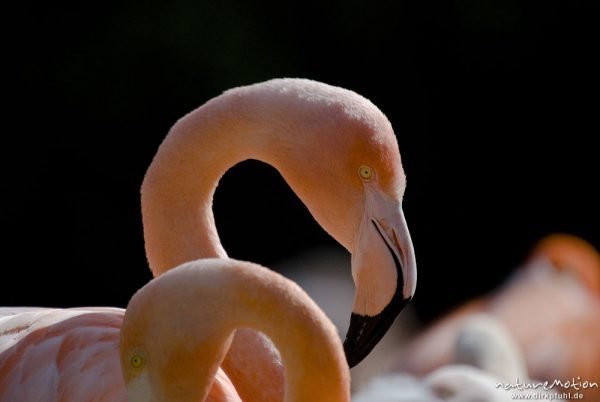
{"x": 494, "y": 103}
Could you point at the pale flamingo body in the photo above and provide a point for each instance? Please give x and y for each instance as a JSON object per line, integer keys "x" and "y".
{"x": 69, "y": 355}
{"x": 45, "y": 349}
{"x": 453, "y": 383}
{"x": 484, "y": 358}
{"x": 170, "y": 341}
{"x": 551, "y": 307}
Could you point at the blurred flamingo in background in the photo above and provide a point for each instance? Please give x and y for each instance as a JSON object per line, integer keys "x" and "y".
{"x": 169, "y": 343}
{"x": 551, "y": 306}
{"x": 484, "y": 354}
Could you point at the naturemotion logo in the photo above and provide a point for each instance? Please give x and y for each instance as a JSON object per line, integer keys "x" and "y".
{"x": 563, "y": 388}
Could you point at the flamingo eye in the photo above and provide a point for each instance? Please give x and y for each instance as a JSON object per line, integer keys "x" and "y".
{"x": 137, "y": 361}
{"x": 365, "y": 173}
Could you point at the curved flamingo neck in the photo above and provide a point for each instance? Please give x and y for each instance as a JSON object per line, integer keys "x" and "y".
{"x": 284, "y": 123}
{"x": 203, "y": 303}
{"x": 179, "y": 186}
{"x": 314, "y": 362}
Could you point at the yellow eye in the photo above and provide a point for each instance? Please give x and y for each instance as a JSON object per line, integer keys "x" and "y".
{"x": 137, "y": 361}
{"x": 365, "y": 173}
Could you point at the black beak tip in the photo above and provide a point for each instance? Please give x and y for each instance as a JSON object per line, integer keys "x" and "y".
{"x": 365, "y": 332}
{"x": 354, "y": 355}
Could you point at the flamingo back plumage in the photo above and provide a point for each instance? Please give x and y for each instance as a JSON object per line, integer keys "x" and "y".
{"x": 66, "y": 355}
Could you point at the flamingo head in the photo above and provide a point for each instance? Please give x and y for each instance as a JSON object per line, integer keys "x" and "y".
{"x": 573, "y": 256}
{"x": 349, "y": 174}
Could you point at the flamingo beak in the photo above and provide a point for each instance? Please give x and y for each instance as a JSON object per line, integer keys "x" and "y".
{"x": 384, "y": 271}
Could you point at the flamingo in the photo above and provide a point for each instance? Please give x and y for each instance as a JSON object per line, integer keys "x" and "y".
{"x": 551, "y": 307}
{"x": 169, "y": 342}
{"x": 484, "y": 342}
{"x": 338, "y": 153}
{"x": 485, "y": 358}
